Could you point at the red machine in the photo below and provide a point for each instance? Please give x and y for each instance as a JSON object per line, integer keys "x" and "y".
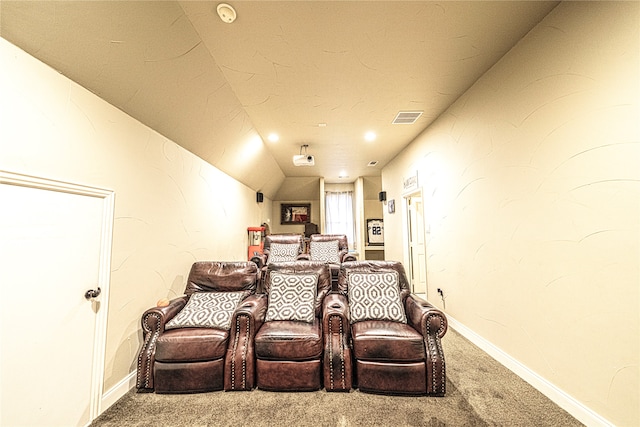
{"x": 256, "y": 241}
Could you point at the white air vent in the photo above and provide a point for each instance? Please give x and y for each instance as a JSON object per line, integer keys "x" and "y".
{"x": 372, "y": 163}
{"x": 406, "y": 117}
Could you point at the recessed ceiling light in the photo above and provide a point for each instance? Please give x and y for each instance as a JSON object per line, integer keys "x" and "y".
{"x": 273, "y": 137}
{"x": 370, "y": 136}
{"x": 322, "y": 125}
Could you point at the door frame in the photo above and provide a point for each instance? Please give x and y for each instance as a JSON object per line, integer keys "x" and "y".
{"x": 407, "y": 237}
{"x": 104, "y": 268}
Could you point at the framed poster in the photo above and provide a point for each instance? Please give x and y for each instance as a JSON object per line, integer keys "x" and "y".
{"x": 297, "y": 213}
{"x": 375, "y": 232}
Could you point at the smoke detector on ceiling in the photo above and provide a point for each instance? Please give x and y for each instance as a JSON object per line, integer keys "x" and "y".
{"x": 303, "y": 159}
{"x": 226, "y": 13}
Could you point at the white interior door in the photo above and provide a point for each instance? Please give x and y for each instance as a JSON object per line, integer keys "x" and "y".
{"x": 417, "y": 247}
{"x": 50, "y": 255}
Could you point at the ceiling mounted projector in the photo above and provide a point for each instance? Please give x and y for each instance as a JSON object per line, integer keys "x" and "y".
{"x": 303, "y": 159}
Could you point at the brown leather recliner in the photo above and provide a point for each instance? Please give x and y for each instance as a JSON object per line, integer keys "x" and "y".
{"x": 262, "y": 260}
{"x": 319, "y": 253}
{"x": 303, "y": 332}
{"x": 390, "y": 356}
{"x": 185, "y": 357}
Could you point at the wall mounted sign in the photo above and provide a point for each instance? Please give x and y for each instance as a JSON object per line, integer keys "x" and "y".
{"x": 410, "y": 183}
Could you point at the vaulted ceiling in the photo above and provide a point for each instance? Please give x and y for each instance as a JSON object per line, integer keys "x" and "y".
{"x": 321, "y": 73}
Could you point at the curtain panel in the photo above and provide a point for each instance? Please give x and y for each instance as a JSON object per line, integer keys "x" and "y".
{"x": 339, "y": 216}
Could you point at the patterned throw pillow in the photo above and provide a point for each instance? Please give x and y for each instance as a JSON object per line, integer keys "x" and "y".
{"x": 324, "y": 251}
{"x": 283, "y": 252}
{"x": 292, "y": 297}
{"x": 375, "y": 296}
{"x": 207, "y": 310}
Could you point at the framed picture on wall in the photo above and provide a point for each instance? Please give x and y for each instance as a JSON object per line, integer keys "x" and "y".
{"x": 375, "y": 232}
{"x": 296, "y": 213}
{"x": 391, "y": 205}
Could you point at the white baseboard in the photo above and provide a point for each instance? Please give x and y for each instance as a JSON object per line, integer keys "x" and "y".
{"x": 117, "y": 391}
{"x": 559, "y": 397}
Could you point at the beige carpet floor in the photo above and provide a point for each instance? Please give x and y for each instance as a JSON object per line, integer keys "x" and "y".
{"x": 480, "y": 392}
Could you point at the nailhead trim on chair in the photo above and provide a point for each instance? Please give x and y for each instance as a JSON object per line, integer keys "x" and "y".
{"x": 244, "y": 355}
{"x": 149, "y": 345}
{"x": 435, "y": 350}
{"x": 233, "y": 356}
{"x": 330, "y": 353}
{"x": 344, "y": 385}
{"x": 341, "y": 335}
{"x": 245, "y": 348}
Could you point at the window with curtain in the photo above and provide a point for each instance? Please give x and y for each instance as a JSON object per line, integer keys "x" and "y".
{"x": 339, "y": 214}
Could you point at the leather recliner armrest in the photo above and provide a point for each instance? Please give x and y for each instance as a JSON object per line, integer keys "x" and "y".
{"x": 254, "y": 306}
{"x": 260, "y": 260}
{"x": 155, "y": 318}
{"x": 432, "y": 324}
{"x": 239, "y": 372}
{"x": 424, "y": 317}
{"x": 153, "y": 323}
{"x": 338, "y": 364}
{"x": 349, "y": 257}
{"x": 336, "y": 305}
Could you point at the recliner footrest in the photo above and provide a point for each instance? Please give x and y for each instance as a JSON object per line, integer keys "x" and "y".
{"x": 193, "y": 377}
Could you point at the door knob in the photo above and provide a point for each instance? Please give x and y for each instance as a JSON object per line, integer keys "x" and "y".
{"x": 92, "y": 293}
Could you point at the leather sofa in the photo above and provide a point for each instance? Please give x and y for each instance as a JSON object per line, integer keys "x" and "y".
{"x": 303, "y": 341}
{"x": 334, "y": 347}
{"x": 396, "y": 345}
{"x": 189, "y": 358}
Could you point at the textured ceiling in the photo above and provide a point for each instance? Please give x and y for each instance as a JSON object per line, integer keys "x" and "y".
{"x": 220, "y": 89}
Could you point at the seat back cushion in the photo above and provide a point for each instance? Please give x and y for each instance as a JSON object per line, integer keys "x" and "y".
{"x": 283, "y": 252}
{"x": 325, "y": 251}
{"x": 292, "y": 297}
{"x": 220, "y": 276}
{"x": 375, "y": 296}
{"x": 208, "y": 310}
{"x": 343, "y": 243}
{"x": 321, "y": 269}
{"x": 371, "y": 266}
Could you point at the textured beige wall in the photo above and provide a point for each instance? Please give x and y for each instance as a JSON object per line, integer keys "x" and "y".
{"x": 171, "y": 208}
{"x": 532, "y": 195}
